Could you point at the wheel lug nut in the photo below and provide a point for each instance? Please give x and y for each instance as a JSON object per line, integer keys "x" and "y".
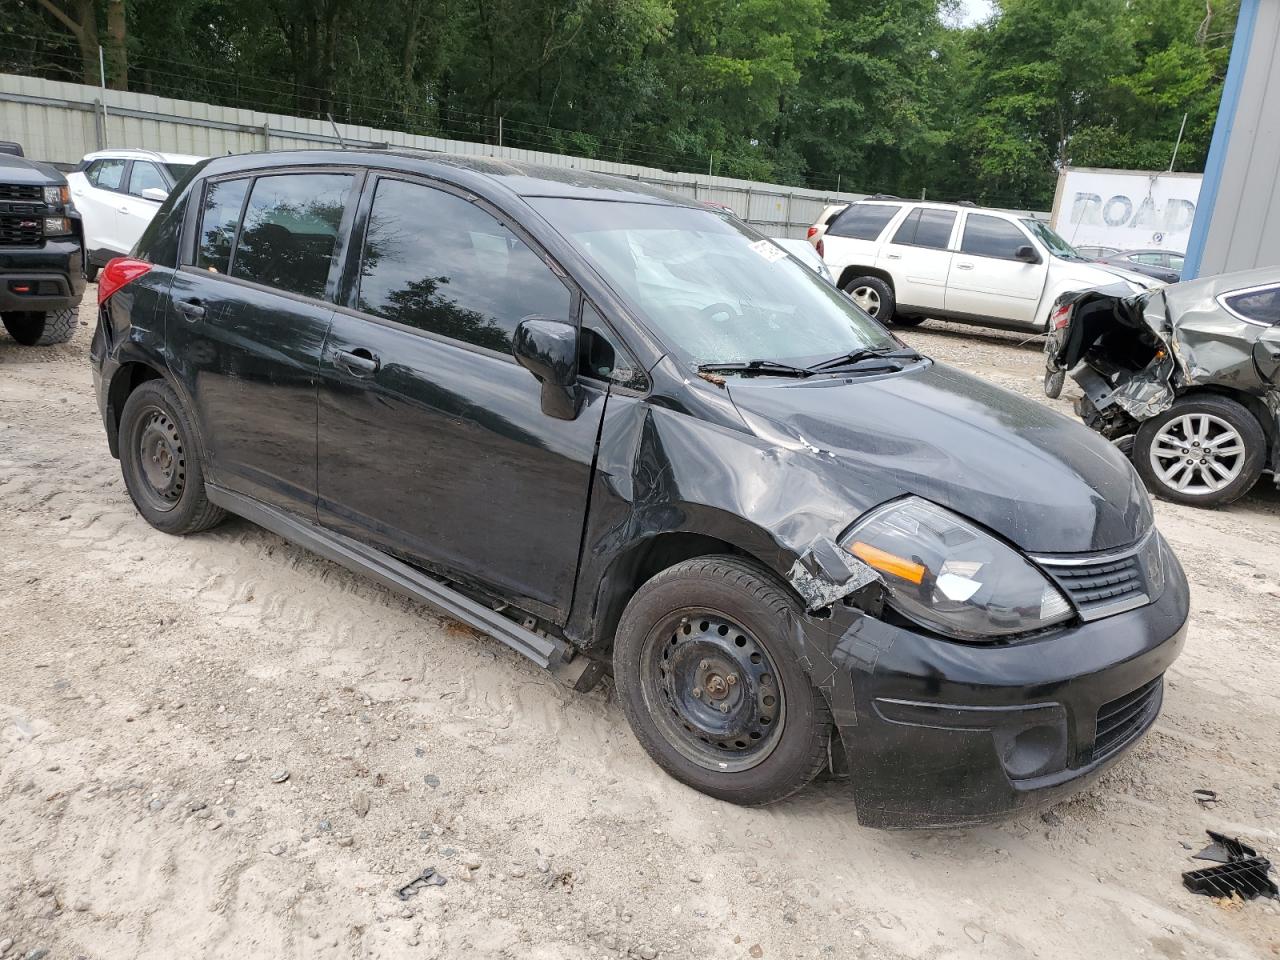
{"x": 705, "y": 664}
{"x": 724, "y": 708}
{"x": 697, "y": 691}
{"x": 731, "y": 679}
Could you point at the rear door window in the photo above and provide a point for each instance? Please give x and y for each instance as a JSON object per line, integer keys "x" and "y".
{"x": 863, "y": 221}
{"x": 1149, "y": 259}
{"x": 435, "y": 261}
{"x": 991, "y": 237}
{"x": 290, "y": 231}
{"x": 145, "y": 176}
{"x": 106, "y": 174}
{"x": 219, "y": 217}
{"x": 1260, "y": 306}
{"x": 926, "y": 228}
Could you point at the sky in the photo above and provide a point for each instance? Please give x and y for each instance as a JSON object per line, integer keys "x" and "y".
{"x": 969, "y": 12}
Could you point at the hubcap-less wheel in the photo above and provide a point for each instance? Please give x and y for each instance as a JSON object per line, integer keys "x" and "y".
{"x": 867, "y": 299}
{"x": 160, "y": 455}
{"x": 713, "y": 691}
{"x": 1197, "y": 454}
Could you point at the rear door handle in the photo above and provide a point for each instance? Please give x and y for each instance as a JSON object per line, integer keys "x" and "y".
{"x": 358, "y": 362}
{"x": 893, "y": 256}
{"x": 193, "y": 310}
{"x": 964, "y": 266}
{"x": 122, "y": 209}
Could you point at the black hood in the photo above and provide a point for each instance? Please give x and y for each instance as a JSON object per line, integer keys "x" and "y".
{"x": 1044, "y": 482}
{"x": 28, "y": 172}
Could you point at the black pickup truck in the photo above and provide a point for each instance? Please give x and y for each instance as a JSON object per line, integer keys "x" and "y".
{"x": 41, "y": 253}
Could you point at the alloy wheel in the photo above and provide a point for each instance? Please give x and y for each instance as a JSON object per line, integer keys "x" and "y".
{"x": 867, "y": 299}
{"x": 1197, "y": 454}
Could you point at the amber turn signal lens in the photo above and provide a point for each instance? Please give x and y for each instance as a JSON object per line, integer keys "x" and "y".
{"x": 887, "y": 562}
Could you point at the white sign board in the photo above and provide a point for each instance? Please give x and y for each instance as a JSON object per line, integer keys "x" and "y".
{"x": 1126, "y": 209}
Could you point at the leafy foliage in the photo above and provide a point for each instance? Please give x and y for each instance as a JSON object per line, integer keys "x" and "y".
{"x": 881, "y": 95}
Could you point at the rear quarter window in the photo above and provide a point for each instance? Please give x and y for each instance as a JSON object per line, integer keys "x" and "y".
{"x": 863, "y": 221}
{"x": 1260, "y": 306}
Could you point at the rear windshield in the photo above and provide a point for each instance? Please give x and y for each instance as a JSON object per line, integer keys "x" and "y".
{"x": 709, "y": 286}
{"x": 863, "y": 221}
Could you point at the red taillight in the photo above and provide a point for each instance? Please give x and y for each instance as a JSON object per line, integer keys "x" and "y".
{"x": 813, "y": 232}
{"x": 117, "y": 273}
{"x": 1061, "y": 317}
{"x": 819, "y": 246}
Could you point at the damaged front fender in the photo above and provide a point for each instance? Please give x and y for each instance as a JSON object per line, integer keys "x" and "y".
{"x": 826, "y": 573}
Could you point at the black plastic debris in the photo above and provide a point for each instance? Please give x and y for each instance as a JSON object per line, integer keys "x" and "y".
{"x": 1225, "y": 849}
{"x": 1241, "y": 872}
{"x": 427, "y": 878}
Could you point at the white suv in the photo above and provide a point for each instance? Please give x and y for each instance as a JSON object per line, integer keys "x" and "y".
{"x": 117, "y": 193}
{"x": 903, "y": 261}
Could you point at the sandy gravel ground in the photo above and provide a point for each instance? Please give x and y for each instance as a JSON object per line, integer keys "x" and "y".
{"x": 223, "y": 746}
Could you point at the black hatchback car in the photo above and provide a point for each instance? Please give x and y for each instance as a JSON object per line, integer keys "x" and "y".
{"x": 616, "y": 430}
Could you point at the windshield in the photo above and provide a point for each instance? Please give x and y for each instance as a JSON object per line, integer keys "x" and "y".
{"x": 711, "y": 288}
{"x": 1057, "y": 246}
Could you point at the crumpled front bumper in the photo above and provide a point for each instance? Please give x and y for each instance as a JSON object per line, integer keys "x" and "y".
{"x": 943, "y": 734}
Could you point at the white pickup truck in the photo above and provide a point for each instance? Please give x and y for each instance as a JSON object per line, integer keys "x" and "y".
{"x": 903, "y": 261}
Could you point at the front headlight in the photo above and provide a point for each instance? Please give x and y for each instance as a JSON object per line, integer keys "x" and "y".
{"x": 950, "y": 576}
{"x": 57, "y": 196}
{"x": 57, "y": 226}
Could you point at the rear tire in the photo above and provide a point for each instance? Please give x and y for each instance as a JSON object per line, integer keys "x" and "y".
{"x": 161, "y": 462}
{"x": 33, "y": 328}
{"x": 754, "y": 739}
{"x": 1054, "y": 381}
{"x": 908, "y": 320}
{"x": 874, "y": 296}
{"x": 1222, "y": 440}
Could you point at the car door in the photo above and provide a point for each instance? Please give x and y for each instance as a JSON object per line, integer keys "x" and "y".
{"x": 919, "y": 259}
{"x": 853, "y": 237}
{"x": 987, "y": 280}
{"x": 97, "y": 199}
{"x": 432, "y": 442}
{"x": 248, "y": 313}
{"x": 135, "y": 211}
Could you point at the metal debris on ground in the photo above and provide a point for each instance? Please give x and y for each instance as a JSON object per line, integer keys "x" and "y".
{"x": 427, "y": 878}
{"x": 1205, "y": 796}
{"x": 1241, "y": 873}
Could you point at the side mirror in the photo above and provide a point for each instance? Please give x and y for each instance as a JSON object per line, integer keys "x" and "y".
{"x": 1027, "y": 254}
{"x": 156, "y": 194}
{"x": 549, "y": 350}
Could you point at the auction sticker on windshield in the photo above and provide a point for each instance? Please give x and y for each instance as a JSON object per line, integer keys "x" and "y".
{"x": 769, "y": 250}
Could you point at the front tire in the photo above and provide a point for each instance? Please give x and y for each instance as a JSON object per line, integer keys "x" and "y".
{"x": 1054, "y": 381}
{"x": 874, "y": 296}
{"x": 161, "y": 463}
{"x": 33, "y": 328}
{"x": 1204, "y": 451}
{"x": 711, "y": 686}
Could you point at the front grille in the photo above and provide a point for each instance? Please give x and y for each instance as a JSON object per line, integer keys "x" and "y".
{"x": 19, "y": 231}
{"x": 1103, "y": 585}
{"x": 21, "y": 191}
{"x": 1123, "y": 720}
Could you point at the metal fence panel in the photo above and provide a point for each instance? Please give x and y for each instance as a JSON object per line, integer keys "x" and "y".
{"x": 61, "y": 122}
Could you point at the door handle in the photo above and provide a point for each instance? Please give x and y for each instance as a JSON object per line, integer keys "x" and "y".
{"x": 192, "y": 310}
{"x": 893, "y": 256}
{"x": 358, "y": 362}
{"x": 122, "y": 209}
{"x": 964, "y": 266}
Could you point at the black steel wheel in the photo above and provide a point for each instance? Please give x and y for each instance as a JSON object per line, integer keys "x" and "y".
{"x": 711, "y": 686}
{"x": 161, "y": 461}
{"x": 162, "y": 458}
{"x": 713, "y": 689}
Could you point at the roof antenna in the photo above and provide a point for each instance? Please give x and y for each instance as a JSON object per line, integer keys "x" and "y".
{"x": 342, "y": 144}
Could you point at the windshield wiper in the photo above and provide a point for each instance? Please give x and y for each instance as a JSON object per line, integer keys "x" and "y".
{"x": 869, "y": 353}
{"x": 769, "y": 367}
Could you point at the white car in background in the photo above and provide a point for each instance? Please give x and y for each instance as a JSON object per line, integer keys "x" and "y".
{"x": 903, "y": 261}
{"x": 117, "y": 193}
